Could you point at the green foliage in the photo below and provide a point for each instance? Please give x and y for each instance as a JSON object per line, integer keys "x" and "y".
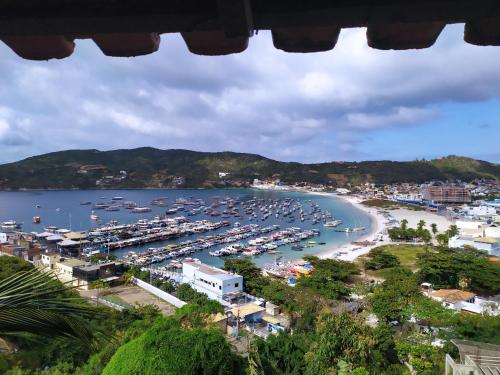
{"x": 403, "y": 233}
{"x": 332, "y": 268}
{"x": 452, "y": 231}
{"x": 442, "y": 239}
{"x": 426, "y": 309}
{"x": 340, "y": 338}
{"x": 149, "y": 167}
{"x": 136, "y": 271}
{"x": 67, "y": 356}
{"x": 167, "y": 348}
{"x": 328, "y": 277}
{"x": 280, "y": 294}
{"x": 460, "y": 268}
{"x": 12, "y": 265}
{"x": 101, "y": 257}
{"x": 434, "y": 228}
{"x": 187, "y": 294}
{"x": 281, "y": 354}
{"x": 168, "y": 287}
{"x": 390, "y": 301}
{"x": 379, "y": 259}
{"x": 35, "y": 302}
{"x": 482, "y": 328}
{"x": 390, "y": 205}
{"x": 252, "y": 275}
{"x": 424, "y": 358}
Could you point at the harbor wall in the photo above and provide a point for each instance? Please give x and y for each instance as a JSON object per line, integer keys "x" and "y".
{"x": 159, "y": 293}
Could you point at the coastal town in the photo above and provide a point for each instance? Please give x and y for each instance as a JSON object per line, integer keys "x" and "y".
{"x": 407, "y": 220}
{"x": 247, "y": 187}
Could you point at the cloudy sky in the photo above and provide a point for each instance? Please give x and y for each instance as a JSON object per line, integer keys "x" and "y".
{"x": 352, "y": 103}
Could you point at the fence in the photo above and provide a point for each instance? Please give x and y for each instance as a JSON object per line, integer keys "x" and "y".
{"x": 158, "y": 292}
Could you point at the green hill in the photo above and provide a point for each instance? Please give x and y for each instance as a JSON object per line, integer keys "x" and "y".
{"x": 150, "y": 167}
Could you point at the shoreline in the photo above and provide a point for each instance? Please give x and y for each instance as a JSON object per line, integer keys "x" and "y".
{"x": 351, "y": 251}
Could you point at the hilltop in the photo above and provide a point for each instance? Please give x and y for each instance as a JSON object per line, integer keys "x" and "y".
{"x": 155, "y": 168}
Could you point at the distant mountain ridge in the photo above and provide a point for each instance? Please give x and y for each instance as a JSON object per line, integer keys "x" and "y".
{"x": 154, "y": 168}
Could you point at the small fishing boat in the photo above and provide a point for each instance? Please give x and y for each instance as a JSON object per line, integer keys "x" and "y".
{"x": 36, "y": 220}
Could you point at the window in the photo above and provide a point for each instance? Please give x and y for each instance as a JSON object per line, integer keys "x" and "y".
{"x": 236, "y": 285}
{"x": 220, "y": 288}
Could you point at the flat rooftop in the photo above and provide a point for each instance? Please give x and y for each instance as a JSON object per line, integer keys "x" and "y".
{"x": 72, "y": 262}
{"x": 92, "y": 267}
{"x": 212, "y": 271}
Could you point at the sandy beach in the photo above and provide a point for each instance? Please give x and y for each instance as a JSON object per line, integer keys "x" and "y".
{"x": 377, "y": 231}
{"x": 350, "y": 251}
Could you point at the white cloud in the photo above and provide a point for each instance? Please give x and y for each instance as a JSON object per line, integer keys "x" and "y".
{"x": 308, "y": 107}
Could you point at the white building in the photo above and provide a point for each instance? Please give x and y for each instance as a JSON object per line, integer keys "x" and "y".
{"x": 489, "y": 244}
{"x": 476, "y": 358}
{"x": 3, "y": 238}
{"x": 469, "y": 224}
{"x": 213, "y": 282}
{"x": 408, "y": 198}
{"x": 482, "y": 210}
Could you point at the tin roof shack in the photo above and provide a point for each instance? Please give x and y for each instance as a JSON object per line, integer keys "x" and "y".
{"x": 476, "y": 358}
{"x": 106, "y": 272}
{"x": 69, "y": 247}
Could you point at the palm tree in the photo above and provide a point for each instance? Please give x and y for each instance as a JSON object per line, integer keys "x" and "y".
{"x": 404, "y": 224}
{"x": 421, "y": 225}
{"x": 35, "y": 302}
{"x": 434, "y": 228}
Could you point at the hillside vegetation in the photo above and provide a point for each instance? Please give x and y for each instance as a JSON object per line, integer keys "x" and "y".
{"x": 154, "y": 168}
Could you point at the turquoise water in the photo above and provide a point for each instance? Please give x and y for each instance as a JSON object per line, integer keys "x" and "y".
{"x": 62, "y": 209}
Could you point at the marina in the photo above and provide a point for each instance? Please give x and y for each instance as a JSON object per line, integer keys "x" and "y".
{"x": 172, "y": 224}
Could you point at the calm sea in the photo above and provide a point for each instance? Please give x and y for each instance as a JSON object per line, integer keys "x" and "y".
{"x": 62, "y": 209}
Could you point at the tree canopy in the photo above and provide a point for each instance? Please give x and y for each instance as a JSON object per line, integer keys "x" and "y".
{"x": 167, "y": 349}
{"x": 460, "y": 268}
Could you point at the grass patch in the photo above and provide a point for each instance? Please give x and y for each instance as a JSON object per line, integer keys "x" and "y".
{"x": 116, "y": 300}
{"x": 407, "y": 255}
{"x": 391, "y": 205}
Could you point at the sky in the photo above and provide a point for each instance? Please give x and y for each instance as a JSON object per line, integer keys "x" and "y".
{"x": 351, "y": 103}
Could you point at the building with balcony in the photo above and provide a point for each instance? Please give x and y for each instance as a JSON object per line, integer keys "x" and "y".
{"x": 476, "y": 358}
{"x": 446, "y": 194}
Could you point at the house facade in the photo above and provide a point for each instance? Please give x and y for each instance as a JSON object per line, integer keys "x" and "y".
{"x": 213, "y": 282}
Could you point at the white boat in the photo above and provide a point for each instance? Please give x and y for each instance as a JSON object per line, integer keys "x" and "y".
{"x": 10, "y": 225}
{"x": 93, "y": 216}
{"x": 139, "y": 210}
{"x": 332, "y": 223}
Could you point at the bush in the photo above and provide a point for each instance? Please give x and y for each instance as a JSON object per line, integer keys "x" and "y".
{"x": 166, "y": 348}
